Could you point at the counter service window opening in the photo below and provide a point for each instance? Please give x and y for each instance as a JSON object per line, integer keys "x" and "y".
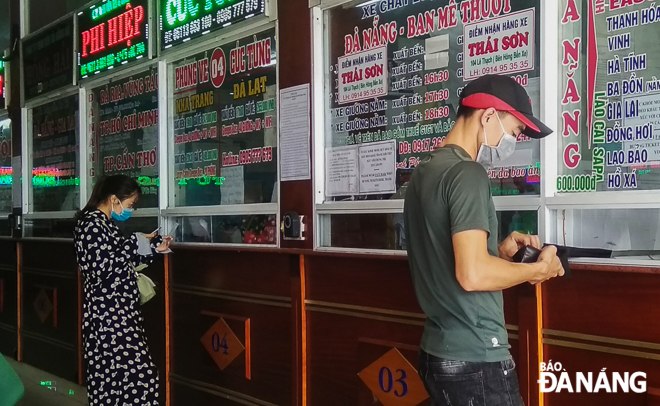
{"x": 391, "y": 95}
{"x": 223, "y": 142}
{"x": 53, "y": 168}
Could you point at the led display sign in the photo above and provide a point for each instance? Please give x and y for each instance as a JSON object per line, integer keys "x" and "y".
{"x": 182, "y": 20}
{"x": 48, "y": 60}
{"x": 2, "y": 85}
{"x": 111, "y": 34}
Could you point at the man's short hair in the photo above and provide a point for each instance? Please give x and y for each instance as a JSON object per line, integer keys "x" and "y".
{"x": 467, "y": 112}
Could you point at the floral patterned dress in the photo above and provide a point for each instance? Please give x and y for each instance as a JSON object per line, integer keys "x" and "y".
{"x": 120, "y": 371}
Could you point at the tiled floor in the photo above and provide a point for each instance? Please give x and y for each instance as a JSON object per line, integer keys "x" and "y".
{"x": 62, "y": 393}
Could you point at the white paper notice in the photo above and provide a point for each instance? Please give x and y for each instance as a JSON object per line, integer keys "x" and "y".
{"x": 378, "y": 167}
{"x": 294, "y": 133}
{"x": 341, "y": 175}
{"x": 233, "y": 187}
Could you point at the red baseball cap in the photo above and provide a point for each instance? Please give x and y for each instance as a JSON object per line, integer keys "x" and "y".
{"x": 504, "y": 94}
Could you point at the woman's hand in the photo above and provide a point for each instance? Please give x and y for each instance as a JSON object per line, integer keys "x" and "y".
{"x": 167, "y": 240}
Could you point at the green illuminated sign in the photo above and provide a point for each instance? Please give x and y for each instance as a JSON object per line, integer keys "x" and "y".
{"x": 112, "y": 60}
{"x": 205, "y": 181}
{"x": 107, "y": 7}
{"x": 51, "y": 181}
{"x": 182, "y": 20}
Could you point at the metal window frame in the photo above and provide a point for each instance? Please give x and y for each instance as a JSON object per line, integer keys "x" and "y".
{"x": 549, "y": 46}
{"x": 86, "y": 88}
{"x": 26, "y": 148}
{"x": 555, "y": 210}
{"x": 168, "y": 208}
{"x": 164, "y": 212}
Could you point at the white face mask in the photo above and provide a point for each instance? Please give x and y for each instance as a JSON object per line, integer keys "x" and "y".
{"x": 489, "y": 156}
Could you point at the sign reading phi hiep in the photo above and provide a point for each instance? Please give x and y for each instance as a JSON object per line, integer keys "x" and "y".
{"x": 111, "y": 34}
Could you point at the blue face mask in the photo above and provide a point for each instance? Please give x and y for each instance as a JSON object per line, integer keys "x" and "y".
{"x": 125, "y": 213}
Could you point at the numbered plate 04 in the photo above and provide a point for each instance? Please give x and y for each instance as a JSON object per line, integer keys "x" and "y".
{"x": 222, "y": 344}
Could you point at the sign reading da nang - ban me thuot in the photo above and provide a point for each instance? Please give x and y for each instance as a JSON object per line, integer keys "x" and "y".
{"x": 111, "y": 34}
{"x": 182, "y": 20}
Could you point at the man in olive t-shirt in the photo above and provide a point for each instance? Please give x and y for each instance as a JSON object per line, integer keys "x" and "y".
{"x": 458, "y": 269}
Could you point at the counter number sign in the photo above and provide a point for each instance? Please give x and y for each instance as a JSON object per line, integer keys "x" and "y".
{"x": 218, "y": 67}
{"x": 394, "y": 381}
{"x": 222, "y": 344}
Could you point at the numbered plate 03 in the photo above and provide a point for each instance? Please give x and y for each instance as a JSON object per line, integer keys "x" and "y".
{"x": 394, "y": 381}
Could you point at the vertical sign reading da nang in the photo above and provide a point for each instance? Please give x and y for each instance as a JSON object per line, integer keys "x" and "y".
{"x": 124, "y": 132}
{"x": 48, "y": 60}
{"x": 111, "y": 34}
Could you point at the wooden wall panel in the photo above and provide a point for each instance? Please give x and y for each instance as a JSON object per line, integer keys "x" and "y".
{"x": 183, "y": 393}
{"x": 8, "y": 298}
{"x": 377, "y": 283}
{"x": 511, "y": 305}
{"x": 351, "y": 301}
{"x": 240, "y": 288}
{"x": 336, "y": 354}
{"x": 50, "y": 308}
{"x": 259, "y": 273}
{"x": 606, "y": 304}
{"x": 295, "y": 60}
{"x": 269, "y": 349}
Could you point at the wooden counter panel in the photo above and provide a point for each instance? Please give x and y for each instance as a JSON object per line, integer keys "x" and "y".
{"x": 341, "y": 346}
{"x": 153, "y": 313}
{"x": 577, "y": 360}
{"x": 380, "y": 283}
{"x": 192, "y": 394}
{"x": 61, "y": 361}
{"x": 8, "y": 298}
{"x": 511, "y": 305}
{"x": 259, "y": 273}
{"x": 8, "y": 253}
{"x": 268, "y": 341}
{"x": 50, "y": 321}
{"x": 56, "y": 255}
{"x": 619, "y": 305}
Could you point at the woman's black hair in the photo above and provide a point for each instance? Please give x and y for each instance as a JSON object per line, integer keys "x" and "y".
{"x": 121, "y": 186}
